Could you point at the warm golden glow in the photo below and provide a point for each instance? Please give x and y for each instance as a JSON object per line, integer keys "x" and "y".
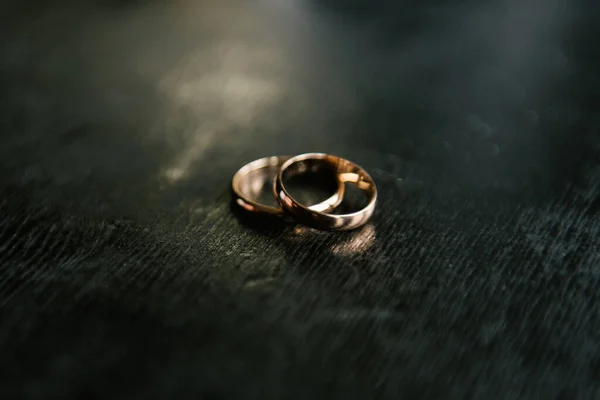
{"x": 359, "y": 242}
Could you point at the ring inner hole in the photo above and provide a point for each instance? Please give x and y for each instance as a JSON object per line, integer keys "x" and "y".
{"x": 310, "y": 182}
{"x": 301, "y": 179}
{"x": 258, "y": 186}
{"x": 355, "y": 200}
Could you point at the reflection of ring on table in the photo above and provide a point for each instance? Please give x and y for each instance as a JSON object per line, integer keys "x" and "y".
{"x": 346, "y": 171}
{"x": 251, "y": 177}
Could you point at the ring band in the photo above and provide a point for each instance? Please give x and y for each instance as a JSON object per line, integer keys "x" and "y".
{"x": 240, "y": 179}
{"x": 346, "y": 171}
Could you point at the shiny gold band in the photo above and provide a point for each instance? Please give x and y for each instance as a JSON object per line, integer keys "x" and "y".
{"x": 346, "y": 171}
{"x": 243, "y": 182}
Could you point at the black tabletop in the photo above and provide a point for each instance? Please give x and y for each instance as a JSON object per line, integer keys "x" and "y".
{"x": 126, "y": 273}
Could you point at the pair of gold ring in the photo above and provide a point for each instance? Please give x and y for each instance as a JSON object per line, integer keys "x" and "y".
{"x": 315, "y": 216}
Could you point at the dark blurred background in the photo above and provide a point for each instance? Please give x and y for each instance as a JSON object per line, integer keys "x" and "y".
{"x": 125, "y": 272}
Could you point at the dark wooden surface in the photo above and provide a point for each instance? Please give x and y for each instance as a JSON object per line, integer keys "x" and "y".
{"x": 125, "y": 273}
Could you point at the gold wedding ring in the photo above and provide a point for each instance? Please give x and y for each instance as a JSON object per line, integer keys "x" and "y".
{"x": 250, "y": 179}
{"x": 346, "y": 171}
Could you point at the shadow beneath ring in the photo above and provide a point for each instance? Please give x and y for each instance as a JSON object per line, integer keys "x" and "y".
{"x": 262, "y": 224}
{"x": 293, "y": 237}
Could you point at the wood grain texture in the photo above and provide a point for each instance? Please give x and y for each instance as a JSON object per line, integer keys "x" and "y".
{"x": 125, "y": 272}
